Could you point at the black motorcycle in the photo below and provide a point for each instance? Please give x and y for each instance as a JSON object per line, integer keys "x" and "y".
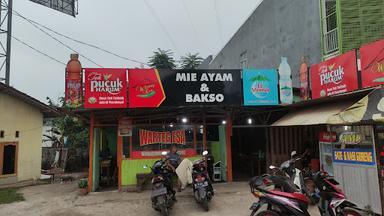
{"x": 163, "y": 194}
{"x": 202, "y": 186}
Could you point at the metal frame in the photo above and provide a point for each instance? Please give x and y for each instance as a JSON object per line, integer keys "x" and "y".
{"x": 5, "y": 39}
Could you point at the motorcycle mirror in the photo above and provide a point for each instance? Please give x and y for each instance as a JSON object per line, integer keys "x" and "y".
{"x": 272, "y": 167}
{"x": 145, "y": 167}
{"x": 205, "y": 152}
{"x": 164, "y": 153}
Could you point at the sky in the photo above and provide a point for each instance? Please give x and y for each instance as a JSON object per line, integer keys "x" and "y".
{"x": 131, "y": 28}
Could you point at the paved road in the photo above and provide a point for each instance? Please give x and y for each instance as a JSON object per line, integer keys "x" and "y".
{"x": 62, "y": 200}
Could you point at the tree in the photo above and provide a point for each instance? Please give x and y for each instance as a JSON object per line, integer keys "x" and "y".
{"x": 68, "y": 126}
{"x": 191, "y": 61}
{"x": 162, "y": 59}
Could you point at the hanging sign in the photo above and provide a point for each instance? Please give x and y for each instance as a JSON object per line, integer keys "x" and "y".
{"x": 125, "y": 126}
{"x": 350, "y": 138}
{"x": 304, "y": 87}
{"x": 334, "y": 76}
{"x": 354, "y": 156}
{"x": 162, "y": 137}
{"x": 260, "y": 87}
{"x": 105, "y": 88}
{"x": 154, "y": 88}
{"x": 372, "y": 64}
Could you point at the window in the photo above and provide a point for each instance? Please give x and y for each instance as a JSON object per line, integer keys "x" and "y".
{"x": 2, "y": 134}
{"x": 329, "y": 20}
{"x": 243, "y": 60}
{"x": 8, "y": 158}
{"x": 17, "y": 134}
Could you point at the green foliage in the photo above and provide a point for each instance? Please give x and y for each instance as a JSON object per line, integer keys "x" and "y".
{"x": 83, "y": 183}
{"x": 190, "y": 61}
{"x": 259, "y": 78}
{"x": 162, "y": 59}
{"x": 68, "y": 126}
{"x": 10, "y": 195}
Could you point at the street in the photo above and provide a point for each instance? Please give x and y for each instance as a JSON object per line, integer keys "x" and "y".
{"x": 62, "y": 200}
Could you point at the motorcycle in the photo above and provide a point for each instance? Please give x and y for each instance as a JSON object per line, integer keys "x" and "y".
{"x": 333, "y": 201}
{"x": 163, "y": 194}
{"x": 201, "y": 183}
{"x": 330, "y": 199}
{"x": 288, "y": 200}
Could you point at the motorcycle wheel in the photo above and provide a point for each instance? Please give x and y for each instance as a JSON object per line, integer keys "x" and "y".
{"x": 266, "y": 213}
{"x": 204, "y": 204}
{"x": 351, "y": 212}
{"x": 164, "y": 211}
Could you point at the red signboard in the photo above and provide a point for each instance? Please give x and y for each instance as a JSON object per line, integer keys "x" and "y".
{"x": 372, "y": 64}
{"x": 327, "y": 137}
{"x": 145, "y": 88}
{"x": 334, "y": 76}
{"x": 165, "y": 137}
{"x": 105, "y": 88}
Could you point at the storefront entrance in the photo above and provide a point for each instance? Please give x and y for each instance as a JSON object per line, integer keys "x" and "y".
{"x": 248, "y": 152}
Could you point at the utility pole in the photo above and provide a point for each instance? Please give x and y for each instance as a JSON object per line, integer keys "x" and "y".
{"x": 5, "y": 39}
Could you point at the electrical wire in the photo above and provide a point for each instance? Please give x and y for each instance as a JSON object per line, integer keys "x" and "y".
{"x": 78, "y": 41}
{"x": 36, "y": 50}
{"x": 152, "y": 11}
{"x": 54, "y": 38}
{"x": 190, "y": 20}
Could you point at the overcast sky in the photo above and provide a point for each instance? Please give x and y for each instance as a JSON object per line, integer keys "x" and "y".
{"x": 126, "y": 27}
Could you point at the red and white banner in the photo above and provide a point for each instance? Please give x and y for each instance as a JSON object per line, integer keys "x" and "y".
{"x": 327, "y": 137}
{"x": 105, "y": 88}
{"x": 372, "y": 64}
{"x": 334, "y": 76}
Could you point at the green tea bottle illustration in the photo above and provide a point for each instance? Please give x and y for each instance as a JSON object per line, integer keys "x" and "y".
{"x": 285, "y": 82}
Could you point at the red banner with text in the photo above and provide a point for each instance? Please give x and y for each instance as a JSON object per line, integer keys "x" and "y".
{"x": 372, "y": 64}
{"x": 334, "y": 76}
{"x": 105, "y": 88}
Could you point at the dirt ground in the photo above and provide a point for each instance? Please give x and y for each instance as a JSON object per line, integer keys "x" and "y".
{"x": 62, "y": 200}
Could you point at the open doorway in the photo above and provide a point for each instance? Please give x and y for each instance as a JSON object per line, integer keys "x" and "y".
{"x": 248, "y": 152}
{"x": 106, "y": 165}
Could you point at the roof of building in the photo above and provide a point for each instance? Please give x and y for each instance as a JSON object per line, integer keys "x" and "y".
{"x": 45, "y": 109}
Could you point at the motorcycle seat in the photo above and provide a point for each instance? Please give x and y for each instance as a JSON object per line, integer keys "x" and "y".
{"x": 297, "y": 196}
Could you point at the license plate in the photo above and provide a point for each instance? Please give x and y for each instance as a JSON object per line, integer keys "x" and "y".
{"x": 158, "y": 192}
{"x": 201, "y": 184}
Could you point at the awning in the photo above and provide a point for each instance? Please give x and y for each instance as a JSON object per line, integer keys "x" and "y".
{"x": 369, "y": 109}
{"x": 315, "y": 115}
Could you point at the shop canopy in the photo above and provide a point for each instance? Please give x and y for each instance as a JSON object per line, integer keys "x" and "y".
{"x": 329, "y": 110}
{"x": 369, "y": 109}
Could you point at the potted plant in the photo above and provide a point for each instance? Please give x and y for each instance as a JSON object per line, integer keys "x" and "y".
{"x": 83, "y": 187}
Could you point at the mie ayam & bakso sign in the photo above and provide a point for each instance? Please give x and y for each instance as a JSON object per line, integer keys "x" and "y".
{"x": 201, "y": 87}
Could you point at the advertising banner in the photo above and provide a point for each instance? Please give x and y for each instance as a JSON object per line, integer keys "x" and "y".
{"x": 105, "y": 88}
{"x": 154, "y": 88}
{"x": 260, "y": 87}
{"x": 354, "y": 156}
{"x": 73, "y": 90}
{"x": 372, "y": 64}
{"x": 148, "y": 154}
{"x": 145, "y": 88}
{"x": 334, "y": 76}
{"x": 148, "y": 137}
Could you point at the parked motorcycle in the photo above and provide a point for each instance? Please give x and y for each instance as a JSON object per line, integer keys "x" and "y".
{"x": 288, "y": 200}
{"x": 163, "y": 194}
{"x": 284, "y": 198}
{"x": 201, "y": 183}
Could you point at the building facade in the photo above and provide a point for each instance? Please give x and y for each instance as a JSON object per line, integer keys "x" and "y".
{"x": 21, "y": 123}
{"x": 275, "y": 29}
{"x": 348, "y": 24}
